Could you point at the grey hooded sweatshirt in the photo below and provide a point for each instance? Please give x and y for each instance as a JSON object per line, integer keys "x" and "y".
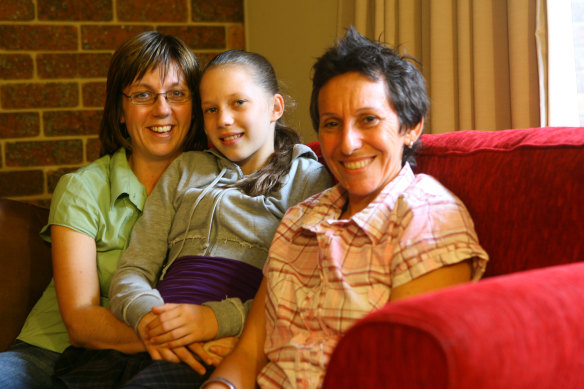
{"x": 190, "y": 212}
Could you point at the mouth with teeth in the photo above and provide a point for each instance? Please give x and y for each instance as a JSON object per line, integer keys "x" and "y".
{"x": 354, "y": 165}
{"x": 231, "y": 138}
{"x": 161, "y": 129}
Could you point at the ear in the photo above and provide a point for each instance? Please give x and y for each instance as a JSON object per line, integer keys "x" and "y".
{"x": 278, "y": 107}
{"x": 122, "y": 118}
{"x": 414, "y": 133}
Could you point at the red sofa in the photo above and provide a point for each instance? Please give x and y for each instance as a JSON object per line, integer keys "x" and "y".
{"x": 522, "y": 326}
{"x": 519, "y": 327}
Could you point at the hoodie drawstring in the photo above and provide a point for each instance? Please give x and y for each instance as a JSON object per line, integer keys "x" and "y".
{"x": 201, "y": 196}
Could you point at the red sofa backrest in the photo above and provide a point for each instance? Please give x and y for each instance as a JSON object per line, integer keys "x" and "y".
{"x": 523, "y": 188}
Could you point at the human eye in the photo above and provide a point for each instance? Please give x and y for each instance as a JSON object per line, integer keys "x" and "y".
{"x": 209, "y": 110}
{"x": 177, "y": 94}
{"x": 329, "y": 125}
{"x": 370, "y": 120}
{"x": 143, "y": 96}
{"x": 239, "y": 102}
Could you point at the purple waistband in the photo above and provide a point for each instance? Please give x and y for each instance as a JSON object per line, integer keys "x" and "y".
{"x": 197, "y": 279}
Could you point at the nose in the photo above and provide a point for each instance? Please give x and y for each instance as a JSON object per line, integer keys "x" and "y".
{"x": 161, "y": 107}
{"x": 351, "y": 139}
{"x": 225, "y": 118}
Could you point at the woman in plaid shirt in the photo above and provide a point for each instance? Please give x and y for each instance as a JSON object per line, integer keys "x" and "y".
{"x": 381, "y": 234}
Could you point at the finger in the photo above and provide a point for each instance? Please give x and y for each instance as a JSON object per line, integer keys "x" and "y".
{"x": 146, "y": 320}
{"x": 185, "y": 355}
{"x": 220, "y": 351}
{"x": 154, "y": 352}
{"x": 199, "y": 349}
{"x": 164, "y": 308}
{"x": 163, "y": 314}
{"x": 176, "y": 337}
{"x": 222, "y": 346}
{"x": 169, "y": 355}
{"x": 168, "y": 322}
{"x": 180, "y": 342}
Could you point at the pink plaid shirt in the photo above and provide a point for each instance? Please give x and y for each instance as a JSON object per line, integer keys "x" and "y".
{"x": 324, "y": 274}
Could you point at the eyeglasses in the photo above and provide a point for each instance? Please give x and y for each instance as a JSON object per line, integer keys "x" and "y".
{"x": 173, "y": 96}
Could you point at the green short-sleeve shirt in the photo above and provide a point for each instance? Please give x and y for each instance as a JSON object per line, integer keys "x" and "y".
{"x": 102, "y": 200}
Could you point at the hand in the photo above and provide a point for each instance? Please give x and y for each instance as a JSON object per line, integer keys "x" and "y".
{"x": 162, "y": 352}
{"x": 214, "y": 351}
{"x": 177, "y": 355}
{"x": 179, "y": 325}
{"x": 156, "y": 352}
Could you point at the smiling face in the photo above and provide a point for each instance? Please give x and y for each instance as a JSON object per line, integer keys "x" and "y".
{"x": 360, "y": 137}
{"x": 240, "y": 116}
{"x": 157, "y": 131}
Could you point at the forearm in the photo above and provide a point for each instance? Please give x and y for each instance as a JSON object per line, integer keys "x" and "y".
{"x": 95, "y": 327}
{"x": 242, "y": 366}
{"x": 132, "y": 295}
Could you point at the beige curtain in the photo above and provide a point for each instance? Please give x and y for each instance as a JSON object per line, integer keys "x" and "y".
{"x": 479, "y": 56}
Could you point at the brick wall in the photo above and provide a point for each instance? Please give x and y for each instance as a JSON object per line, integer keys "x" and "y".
{"x": 54, "y": 57}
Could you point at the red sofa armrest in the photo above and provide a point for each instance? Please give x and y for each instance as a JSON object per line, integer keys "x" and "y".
{"x": 522, "y": 330}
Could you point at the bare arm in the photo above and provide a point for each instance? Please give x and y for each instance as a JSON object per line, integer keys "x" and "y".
{"x": 76, "y": 281}
{"x": 437, "y": 279}
{"x": 242, "y": 366}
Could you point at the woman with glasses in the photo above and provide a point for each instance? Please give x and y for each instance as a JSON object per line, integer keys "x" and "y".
{"x": 147, "y": 122}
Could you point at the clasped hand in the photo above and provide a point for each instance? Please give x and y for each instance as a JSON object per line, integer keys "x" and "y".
{"x": 178, "y": 332}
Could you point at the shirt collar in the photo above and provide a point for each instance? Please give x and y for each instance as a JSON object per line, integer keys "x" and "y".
{"x": 124, "y": 182}
{"x": 378, "y": 211}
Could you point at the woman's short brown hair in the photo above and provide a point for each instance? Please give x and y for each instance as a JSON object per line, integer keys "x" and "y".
{"x": 131, "y": 61}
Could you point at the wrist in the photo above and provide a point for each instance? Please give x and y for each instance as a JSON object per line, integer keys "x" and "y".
{"x": 212, "y": 323}
{"x": 219, "y": 380}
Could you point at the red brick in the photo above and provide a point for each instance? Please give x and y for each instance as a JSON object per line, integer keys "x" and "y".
{"x": 83, "y": 10}
{"x": 49, "y": 95}
{"x": 198, "y": 37}
{"x": 72, "y": 65}
{"x": 92, "y": 149}
{"x": 99, "y": 37}
{"x": 59, "y": 123}
{"x": 53, "y": 177}
{"x": 19, "y": 125}
{"x": 217, "y": 10}
{"x": 43, "y": 153}
{"x": 38, "y": 37}
{"x": 204, "y": 58}
{"x": 17, "y": 10}
{"x": 21, "y": 183}
{"x": 15, "y": 66}
{"x": 236, "y": 37}
{"x": 152, "y": 10}
{"x": 93, "y": 94}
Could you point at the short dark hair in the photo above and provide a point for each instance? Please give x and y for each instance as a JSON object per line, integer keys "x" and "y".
{"x": 131, "y": 61}
{"x": 405, "y": 85}
{"x": 267, "y": 178}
